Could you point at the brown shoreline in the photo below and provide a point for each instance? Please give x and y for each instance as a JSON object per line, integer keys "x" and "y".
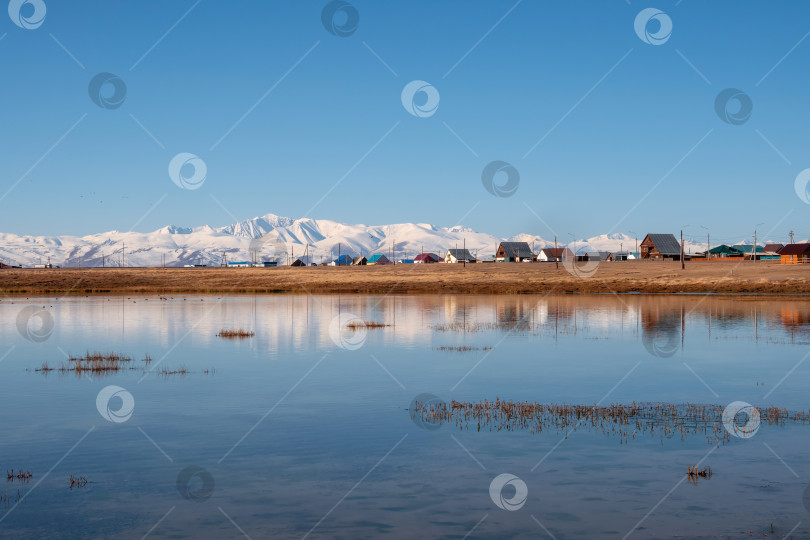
{"x": 499, "y": 278}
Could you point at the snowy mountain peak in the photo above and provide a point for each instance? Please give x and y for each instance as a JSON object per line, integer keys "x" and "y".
{"x": 320, "y": 239}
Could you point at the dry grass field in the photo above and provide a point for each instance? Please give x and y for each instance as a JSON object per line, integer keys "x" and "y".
{"x": 508, "y": 278}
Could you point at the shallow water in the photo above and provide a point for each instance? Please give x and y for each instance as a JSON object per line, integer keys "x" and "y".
{"x": 303, "y": 430}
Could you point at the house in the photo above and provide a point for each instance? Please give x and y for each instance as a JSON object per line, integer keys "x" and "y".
{"x": 660, "y": 247}
{"x": 238, "y": 264}
{"x": 795, "y": 254}
{"x": 379, "y": 258}
{"x": 582, "y": 252}
{"x": 265, "y": 264}
{"x": 359, "y": 261}
{"x": 550, "y": 254}
{"x": 514, "y": 252}
{"x": 621, "y": 256}
{"x": 746, "y": 250}
{"x": 458, "y": 256}
{"x": 405, "y": 261}
{"x": 297, "y": 262}
{"x": 343, "y": 260}
{"x": 771, "y": 251}
{"x": 426, "y": 258}
{"x": 723, "y": 251}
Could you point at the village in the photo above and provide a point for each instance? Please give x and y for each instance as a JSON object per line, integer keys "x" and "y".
{"x": 654, "y": 247}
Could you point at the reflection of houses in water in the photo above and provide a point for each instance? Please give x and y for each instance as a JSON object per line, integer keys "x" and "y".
{"x": 794, "y": 317}
{"x": 461, "y": 309}
{"x": 662, "y": 330}
{"x": 513, "y": 312}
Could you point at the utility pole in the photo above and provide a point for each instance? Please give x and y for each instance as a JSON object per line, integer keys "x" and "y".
{"x": 708, "y": 247}
{"x": 465, "y": 253}
{"x": 556, "y": 254}
{"x": 754, "y": 247}
{"x": 791, "y": 237}
{"x": 123, "y": 260}
{"x": 683, "y": 265}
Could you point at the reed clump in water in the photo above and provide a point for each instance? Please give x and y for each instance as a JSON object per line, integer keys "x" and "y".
{"x": 357, "y": 325}
{"x": 8, "y": 500}
{"x": 462, "y": 348}
{"x": 20, "y": 475}
{"x": 694, "y": 473}
{"x": 165, "y": 371}
{"x": 95, "y": 363}
{"x": 77, "y": 481}
{"x": 45, "y": 368}
{"x": 624, "y": 422}
{"x": 238, "y": 333}
{"x": 472, "y": 328}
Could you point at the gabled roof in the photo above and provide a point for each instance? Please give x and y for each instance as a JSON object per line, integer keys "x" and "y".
{"x": 343, "y": 259}
{"x": 795, "y": 249}
{"x": 298, "y": 262}
{"x": 517, "y": 249}
{"x": 461, "y": 254}
{"x": 553, "y": 252}
{"x": 378, "y": 258}
{"x": 745, "y": 248}
{"x": 430, "y": 257}
{"x": 722, "y": 248}
{"x": 666, "y": 244}
{"x": 359, "y": 260}
{"x": 773, "y": 248}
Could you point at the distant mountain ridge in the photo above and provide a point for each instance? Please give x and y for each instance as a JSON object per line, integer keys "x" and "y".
{"x": 179, "y": 246}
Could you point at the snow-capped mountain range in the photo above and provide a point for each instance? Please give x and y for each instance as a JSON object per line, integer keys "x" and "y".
{"x": 177, "y": 246}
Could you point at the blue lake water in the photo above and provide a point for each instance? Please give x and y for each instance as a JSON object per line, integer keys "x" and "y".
{"x": 303, "y": 430}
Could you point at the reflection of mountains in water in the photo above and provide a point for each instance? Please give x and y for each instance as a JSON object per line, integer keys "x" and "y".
{"x": 625, "y": 422}
{"x": 303, "y": 320}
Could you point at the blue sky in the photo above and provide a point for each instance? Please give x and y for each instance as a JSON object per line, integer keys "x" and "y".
{"x": 617, "y": 116}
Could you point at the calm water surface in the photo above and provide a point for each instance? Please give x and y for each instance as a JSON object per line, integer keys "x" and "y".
{"x": 303, "y": 430}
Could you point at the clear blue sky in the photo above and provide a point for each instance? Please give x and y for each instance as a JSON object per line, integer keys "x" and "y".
{"x": 520, "y": 81}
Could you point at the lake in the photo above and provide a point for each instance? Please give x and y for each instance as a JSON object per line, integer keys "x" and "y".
{"x": 317, "y": 426}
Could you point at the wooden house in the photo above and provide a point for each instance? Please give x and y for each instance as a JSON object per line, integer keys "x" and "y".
{"x": 379, "y": 258}
{"x": 550, "y": 254}
{"x": 458, "y": 256}
{"x": 514, "y": 252}
{"x": 660, "y": 247}
{"x": 795, "y": 254}
{"x": 426, "y": 258}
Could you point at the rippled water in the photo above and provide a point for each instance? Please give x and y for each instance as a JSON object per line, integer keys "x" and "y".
{"x": 303, "y": 430}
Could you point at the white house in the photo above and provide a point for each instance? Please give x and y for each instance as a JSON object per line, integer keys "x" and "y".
{"x": 458, "y": 256}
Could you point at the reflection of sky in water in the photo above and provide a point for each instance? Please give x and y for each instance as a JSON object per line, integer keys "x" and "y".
{"x": 330, "y": 426}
